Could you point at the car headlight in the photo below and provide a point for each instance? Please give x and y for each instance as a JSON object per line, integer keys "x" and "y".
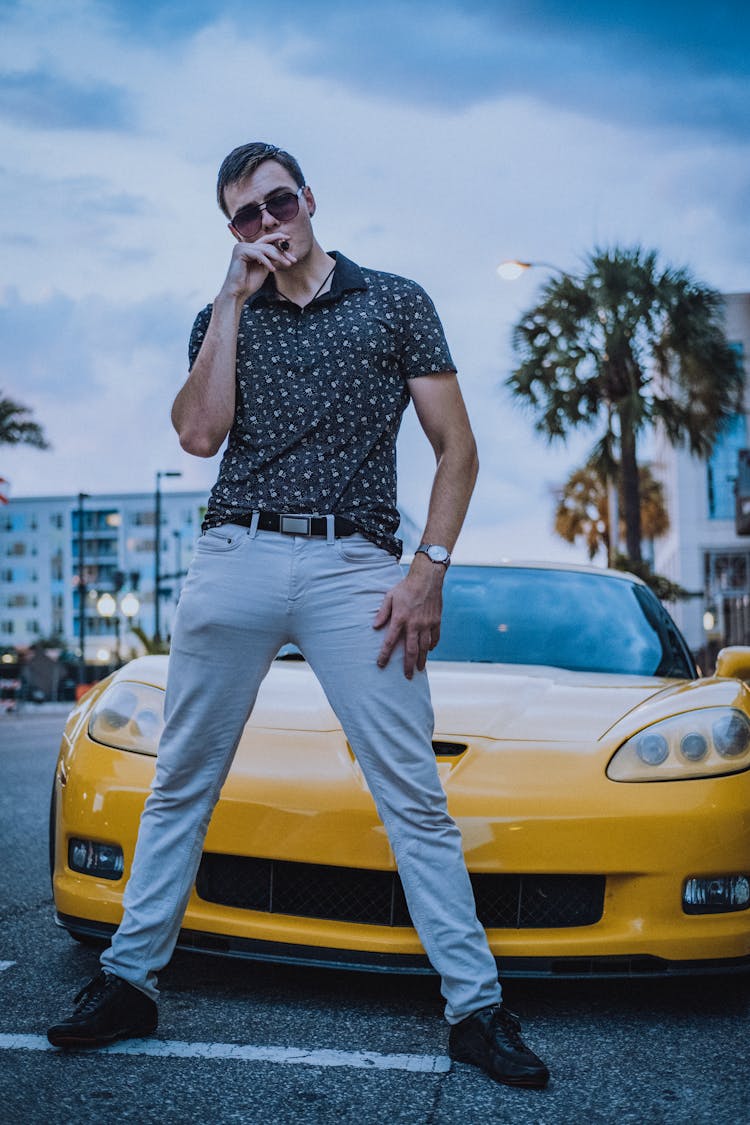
{"x": 128, "y": 716}
{"x": 703, "y": 743}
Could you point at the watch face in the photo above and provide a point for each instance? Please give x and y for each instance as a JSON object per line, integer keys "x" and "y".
{"x": 438, "y": 554}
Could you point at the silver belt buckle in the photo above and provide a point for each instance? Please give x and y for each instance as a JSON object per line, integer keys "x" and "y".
{"x": 295, "y": 525}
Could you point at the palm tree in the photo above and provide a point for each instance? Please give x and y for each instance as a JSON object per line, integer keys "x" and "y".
{"x": 154, "y": 646}
{"x": 582, "y": 510}
{"x": 17, "y": 426}
{"x": 624, "y": 346}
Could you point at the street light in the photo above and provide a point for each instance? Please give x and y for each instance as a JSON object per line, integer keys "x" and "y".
{"x": 81, "y": 592}
{"x": 130, "y": 605}
{"x": 106, "y": 606}
{"x": 157, "y": 552}
{"x": 510, "y": 269}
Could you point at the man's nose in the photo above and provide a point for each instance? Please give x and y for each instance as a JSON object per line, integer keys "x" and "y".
{"x": 268, "y": 220}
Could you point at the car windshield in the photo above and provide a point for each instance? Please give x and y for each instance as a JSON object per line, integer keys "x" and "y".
{"x": 568, "y": 619}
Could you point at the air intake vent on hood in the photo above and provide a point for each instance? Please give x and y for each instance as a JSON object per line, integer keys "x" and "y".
{"x": 448, "y": 749}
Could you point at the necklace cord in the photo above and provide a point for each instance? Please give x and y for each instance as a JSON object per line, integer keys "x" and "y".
{"x": 315, "y": 294}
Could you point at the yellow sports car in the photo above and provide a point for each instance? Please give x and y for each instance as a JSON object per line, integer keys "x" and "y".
{"x": 601, "y": 787}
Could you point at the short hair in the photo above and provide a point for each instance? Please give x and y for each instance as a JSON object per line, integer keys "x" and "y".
{"x": 243, "y": 161}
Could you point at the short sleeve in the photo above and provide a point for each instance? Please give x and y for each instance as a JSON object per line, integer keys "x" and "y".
{"x": 197, "y": 334}
{"x": 423, "y": 346}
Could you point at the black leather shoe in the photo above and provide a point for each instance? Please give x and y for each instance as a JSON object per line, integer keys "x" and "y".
{"x": 108, "y": 1008}
{"x": 491, "y": 1039}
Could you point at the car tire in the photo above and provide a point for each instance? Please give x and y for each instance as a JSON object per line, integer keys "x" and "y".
{"x": 88, "y": 940}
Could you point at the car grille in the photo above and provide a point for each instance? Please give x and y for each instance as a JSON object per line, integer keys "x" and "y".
{"x": 376, "y": 898}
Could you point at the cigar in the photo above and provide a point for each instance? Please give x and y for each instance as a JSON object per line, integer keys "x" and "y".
{"x": 284, "y": 245}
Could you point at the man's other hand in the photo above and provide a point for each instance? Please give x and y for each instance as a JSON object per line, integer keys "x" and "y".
{"x": 412, "y": 611}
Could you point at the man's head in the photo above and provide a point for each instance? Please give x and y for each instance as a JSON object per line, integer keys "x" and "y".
{"x": 243, "y": 161}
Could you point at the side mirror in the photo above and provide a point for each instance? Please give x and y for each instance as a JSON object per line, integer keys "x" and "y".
{"x": 734, "y": 662}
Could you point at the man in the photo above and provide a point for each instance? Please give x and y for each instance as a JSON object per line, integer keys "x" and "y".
{"x": 307, "y": 362}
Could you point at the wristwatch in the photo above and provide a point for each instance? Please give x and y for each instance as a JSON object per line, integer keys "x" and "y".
{"x": 435, "y": 553}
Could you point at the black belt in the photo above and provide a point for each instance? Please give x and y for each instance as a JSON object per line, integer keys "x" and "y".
{"x": 292, "y": 524}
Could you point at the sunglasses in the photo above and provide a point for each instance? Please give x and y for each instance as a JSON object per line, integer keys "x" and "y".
{"x": 285, "y": 206}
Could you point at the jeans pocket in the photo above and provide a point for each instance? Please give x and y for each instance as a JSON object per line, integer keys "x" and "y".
{"x": 357, "y": 549}
{"x": 222, "y": 540}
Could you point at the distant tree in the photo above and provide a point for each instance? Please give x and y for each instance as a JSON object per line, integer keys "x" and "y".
{"x": 154, "y": 646}
{"x": 664, "y": 588}
{"x": 624, "y": 346}
{"x": 17, "y": 427}
{"x": 582, "y": 511}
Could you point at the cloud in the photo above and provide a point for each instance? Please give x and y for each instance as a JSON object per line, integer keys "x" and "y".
{"x": 635, "y": 62}
{"x": 66, "y": 351}
{"x": 100, "y": 377}
{"x": 45, "y": 100}
{"x": 439, "y": 138}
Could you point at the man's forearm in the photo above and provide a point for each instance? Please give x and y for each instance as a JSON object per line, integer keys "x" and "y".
{"x": 204, "y": 409}
{"x": 452, "y": 488}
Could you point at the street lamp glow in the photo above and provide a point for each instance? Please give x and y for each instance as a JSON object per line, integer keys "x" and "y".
{"x": 511, "y": 269}
{"x": 106, "y": 605}
{"x": 130, "y": 605}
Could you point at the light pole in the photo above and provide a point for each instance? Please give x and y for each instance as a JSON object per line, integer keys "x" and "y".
{"x": 81, "y": 592}
{"x": 510, "y": 269}
{"x": 130, "y": 604}
{"x": 157, "y": 551}
{"x": 106, "y": 607}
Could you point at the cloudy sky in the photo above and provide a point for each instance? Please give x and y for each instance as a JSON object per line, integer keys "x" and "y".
{"x": 439, "y": 138}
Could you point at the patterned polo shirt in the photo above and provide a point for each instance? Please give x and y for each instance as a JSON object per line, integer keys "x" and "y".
{"x": 320, "y": 395}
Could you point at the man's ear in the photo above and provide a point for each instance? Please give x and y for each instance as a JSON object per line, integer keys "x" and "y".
{"x": 310, "y": 201}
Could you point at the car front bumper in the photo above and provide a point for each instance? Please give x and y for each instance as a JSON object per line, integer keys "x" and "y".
{"x": 644, "y": 839}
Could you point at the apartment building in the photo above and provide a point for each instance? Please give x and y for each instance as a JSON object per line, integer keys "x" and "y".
{"x": 702, "y": 550}
{"x": 50, "y": 546}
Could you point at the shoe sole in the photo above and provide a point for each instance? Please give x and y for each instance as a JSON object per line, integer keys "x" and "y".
{"x": 73, "y": 1040}
{"x": 526, "y": 1083}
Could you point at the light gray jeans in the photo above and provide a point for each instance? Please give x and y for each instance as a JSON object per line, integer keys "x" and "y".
{"x": 248, "y": 593}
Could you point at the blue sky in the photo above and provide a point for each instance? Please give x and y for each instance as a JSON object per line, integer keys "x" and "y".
{"x": 439, "y": 138}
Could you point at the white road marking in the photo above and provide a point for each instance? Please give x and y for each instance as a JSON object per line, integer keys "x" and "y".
{"x": 290, "y": 1056}
{"x": 5, "y": 965}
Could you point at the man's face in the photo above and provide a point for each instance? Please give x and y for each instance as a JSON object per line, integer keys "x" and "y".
{"x": 268, "y": 180}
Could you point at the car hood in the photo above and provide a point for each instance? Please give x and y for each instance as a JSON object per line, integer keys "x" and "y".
{"x": 505, "y": 702}
{"x": 493, "y": 701}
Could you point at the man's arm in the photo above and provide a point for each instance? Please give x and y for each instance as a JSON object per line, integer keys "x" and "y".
{"x": 203, "y": 411}
{"x": 412, "y": 609}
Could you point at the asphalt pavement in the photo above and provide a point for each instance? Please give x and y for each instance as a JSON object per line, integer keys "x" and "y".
{"x": 247, "y": 1042}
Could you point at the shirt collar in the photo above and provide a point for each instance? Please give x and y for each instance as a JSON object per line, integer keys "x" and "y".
{"x": 347, "y": 278}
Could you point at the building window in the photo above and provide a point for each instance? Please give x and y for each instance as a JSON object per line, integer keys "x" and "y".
{"x": 57, "y": 572}
{"x": 103, "y": 519}
{"x": 726, "y": 572}
{"x": 6, "y": 627}
{"x": 721, "y": 469}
